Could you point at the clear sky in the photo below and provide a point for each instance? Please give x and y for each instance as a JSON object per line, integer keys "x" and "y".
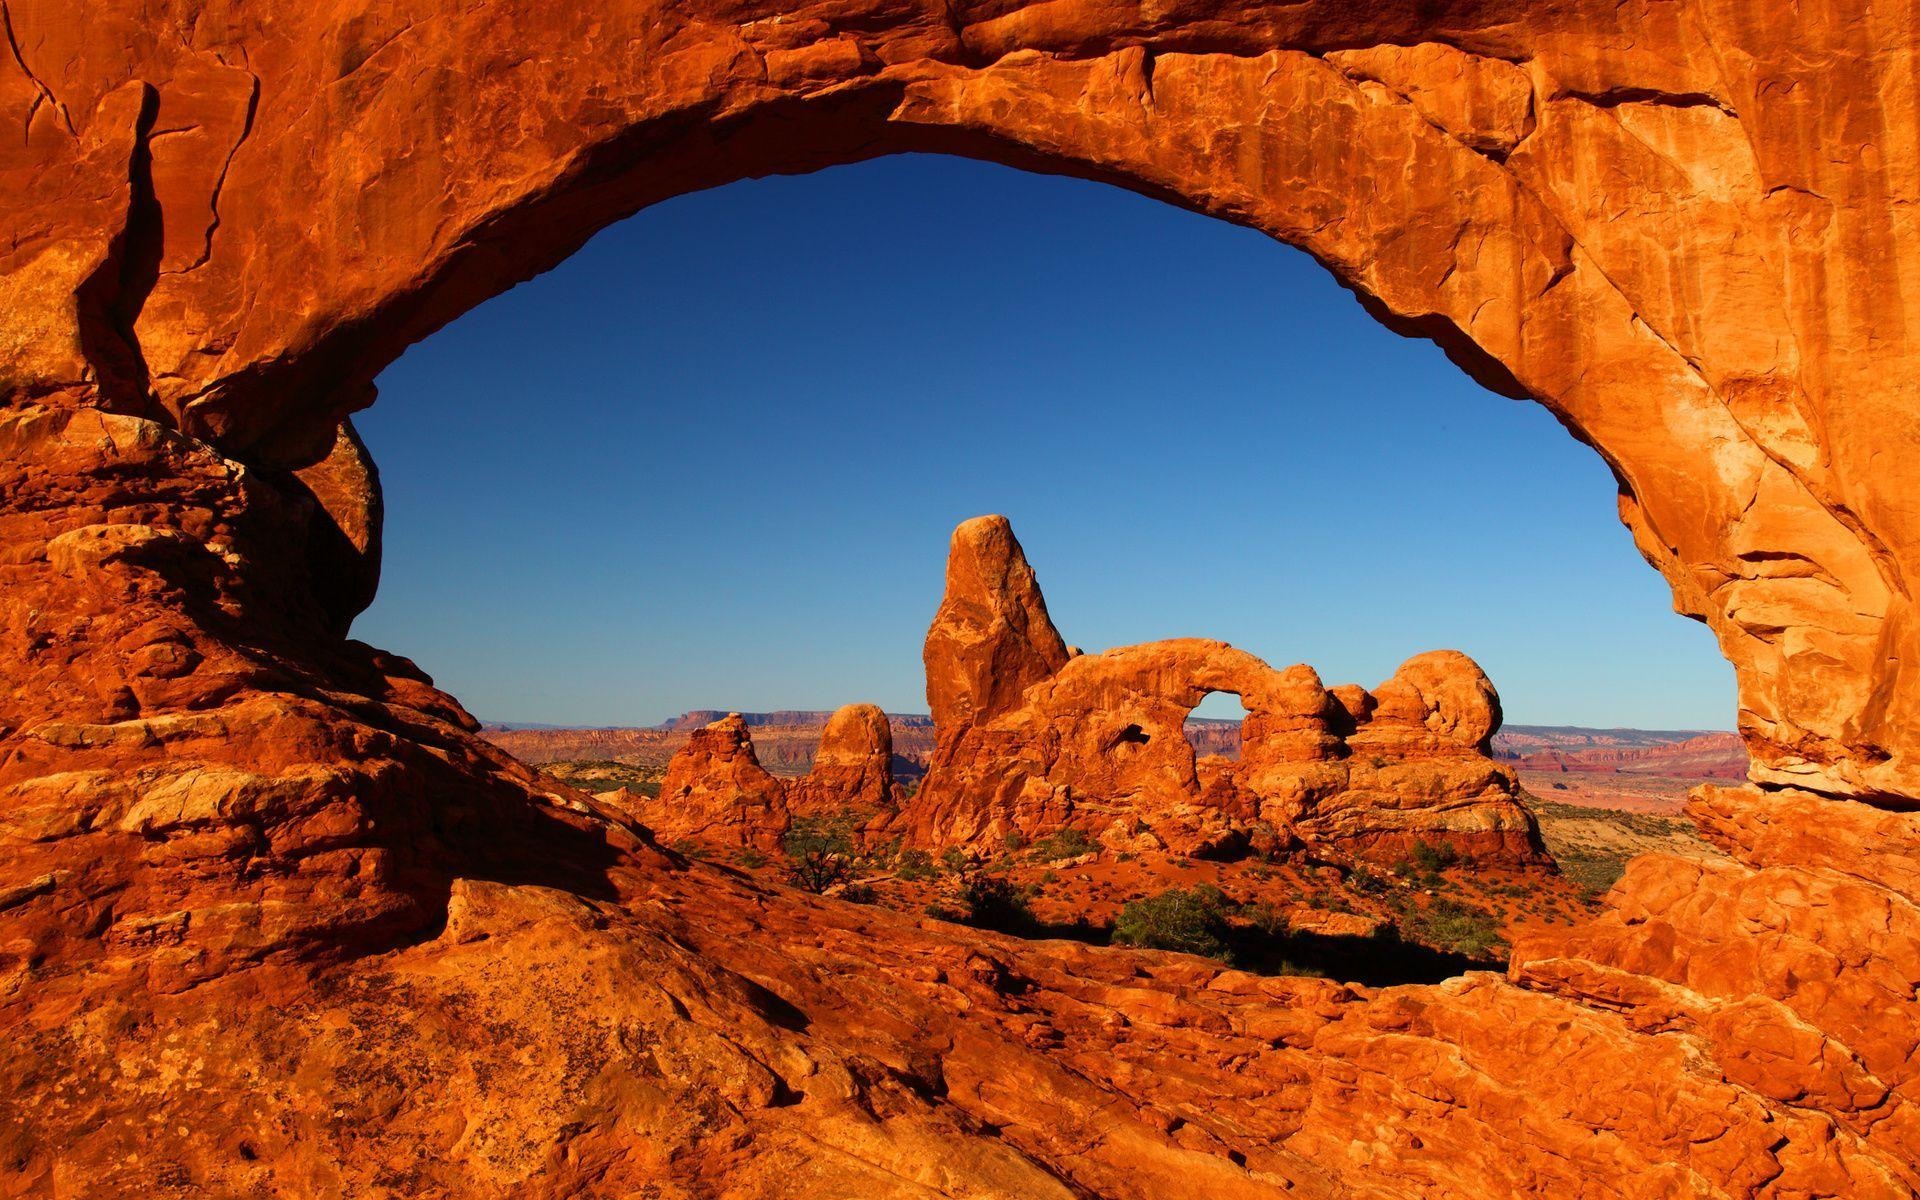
{"x": 712, "y": 461}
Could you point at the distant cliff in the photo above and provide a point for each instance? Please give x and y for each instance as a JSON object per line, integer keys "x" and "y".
{"x": 786, "y": 739}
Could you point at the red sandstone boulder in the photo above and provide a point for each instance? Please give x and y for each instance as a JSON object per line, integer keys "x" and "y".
{"x": 716, "y": 791}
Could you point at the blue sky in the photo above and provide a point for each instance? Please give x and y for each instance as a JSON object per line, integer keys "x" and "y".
{"x": 712, "y": 461}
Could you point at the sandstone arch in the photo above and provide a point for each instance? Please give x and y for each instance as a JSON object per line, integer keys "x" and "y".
{"x": 1686, "y": 227}
{"x": 1642, "y": 241}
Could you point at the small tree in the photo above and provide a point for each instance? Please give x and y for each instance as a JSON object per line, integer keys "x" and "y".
{"x": 819, "y": 851}
{"x": 1190, "y": 920}
{"x": 996, "y": 902}
{"x": 1431, "y": 857}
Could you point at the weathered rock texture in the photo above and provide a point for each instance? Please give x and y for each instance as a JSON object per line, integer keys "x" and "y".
{"x": 273, "y": 921}
{"x": 853, "y": 769}
{"x": 1098, "y": 741}
{"x": 717, "y": 792}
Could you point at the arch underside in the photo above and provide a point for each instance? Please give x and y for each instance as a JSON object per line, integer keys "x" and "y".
{"x": 1685, "y": 228}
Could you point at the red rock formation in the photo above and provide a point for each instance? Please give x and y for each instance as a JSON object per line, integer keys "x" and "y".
{"x": 853, "y": 768}
{"x": 717, "y": 791}
{"x": 1703, "y": 756}
{"x": 273, "y": 921}
{"x": 1099, "y": 743}
{"x": 992, "y": 637}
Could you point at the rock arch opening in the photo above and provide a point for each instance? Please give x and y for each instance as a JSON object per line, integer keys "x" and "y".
{"x": 1140, "y": 781}
{"x": 1216, "y": 726}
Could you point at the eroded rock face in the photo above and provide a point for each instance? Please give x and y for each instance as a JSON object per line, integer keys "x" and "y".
{"x": 1099, "y": 744}
{"x": 716, "y": 792}
{"x": 1620, "y": 212}
{"x": 992, "y": 638}
{"x": 272, "y": 920}
{"x": 853, "y": 769}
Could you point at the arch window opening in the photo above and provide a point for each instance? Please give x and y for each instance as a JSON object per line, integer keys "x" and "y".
{"x": 719, "y": 454}
{"x": 1215, "y": 726}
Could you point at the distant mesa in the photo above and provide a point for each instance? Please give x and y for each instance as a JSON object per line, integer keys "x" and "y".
{"x": 699, "y": 718}
{"x": 1030, "y": 740}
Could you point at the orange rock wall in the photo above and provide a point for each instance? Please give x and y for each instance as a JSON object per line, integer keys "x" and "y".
{"x": 273, "y": 921}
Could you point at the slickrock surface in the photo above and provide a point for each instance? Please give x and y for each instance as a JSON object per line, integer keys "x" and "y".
{"x": 273, "y": 921}
{"x": 1098, "y": 743}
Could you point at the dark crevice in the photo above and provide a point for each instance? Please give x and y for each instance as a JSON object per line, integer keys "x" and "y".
{"x": 110, "y": 299}
{"x": 1615, "y": 97}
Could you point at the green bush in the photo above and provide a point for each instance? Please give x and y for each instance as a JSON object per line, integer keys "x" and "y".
{"x": 1013, "y": 840}
{"x": 1364, "y": 880}
{"x": 1594, "y": 871}
{"x": 996, "y": 902}
{"x": 915, "y": 864}
{"x": 1191, "y": 920}
{"x": 1430, "y": 858}
{"x": 1461, "y": 928}
{"x": 1267, "y": 919}
{"x": 819, "y": 851}
{"x": 1062, "y": 843}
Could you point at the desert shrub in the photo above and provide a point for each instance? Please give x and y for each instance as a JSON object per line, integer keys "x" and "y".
{"x": 1595, "y": 872}
{"x": 915, "y": 864}
{"x": 1062, "y": 843}
{"x": 751, "y": 859}
{"x": 1013, "y": 840}
{"x": 996, "y": 902}
{"x": 1191, "y": 920}
{"x": 819, "y": 851}
{"x": 1461, "y": 928}
{"x": 1268, "y": 920}
{"x": 1364, "y": 880}
{"x": 1430, "y": 857}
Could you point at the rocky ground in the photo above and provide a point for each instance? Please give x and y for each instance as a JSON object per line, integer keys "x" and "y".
{"x": 1422, "y": 919}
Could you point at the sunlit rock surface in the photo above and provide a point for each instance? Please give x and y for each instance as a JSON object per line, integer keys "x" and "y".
{"x": 274, "y": 921}
{"x": 1098, "y": 743}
